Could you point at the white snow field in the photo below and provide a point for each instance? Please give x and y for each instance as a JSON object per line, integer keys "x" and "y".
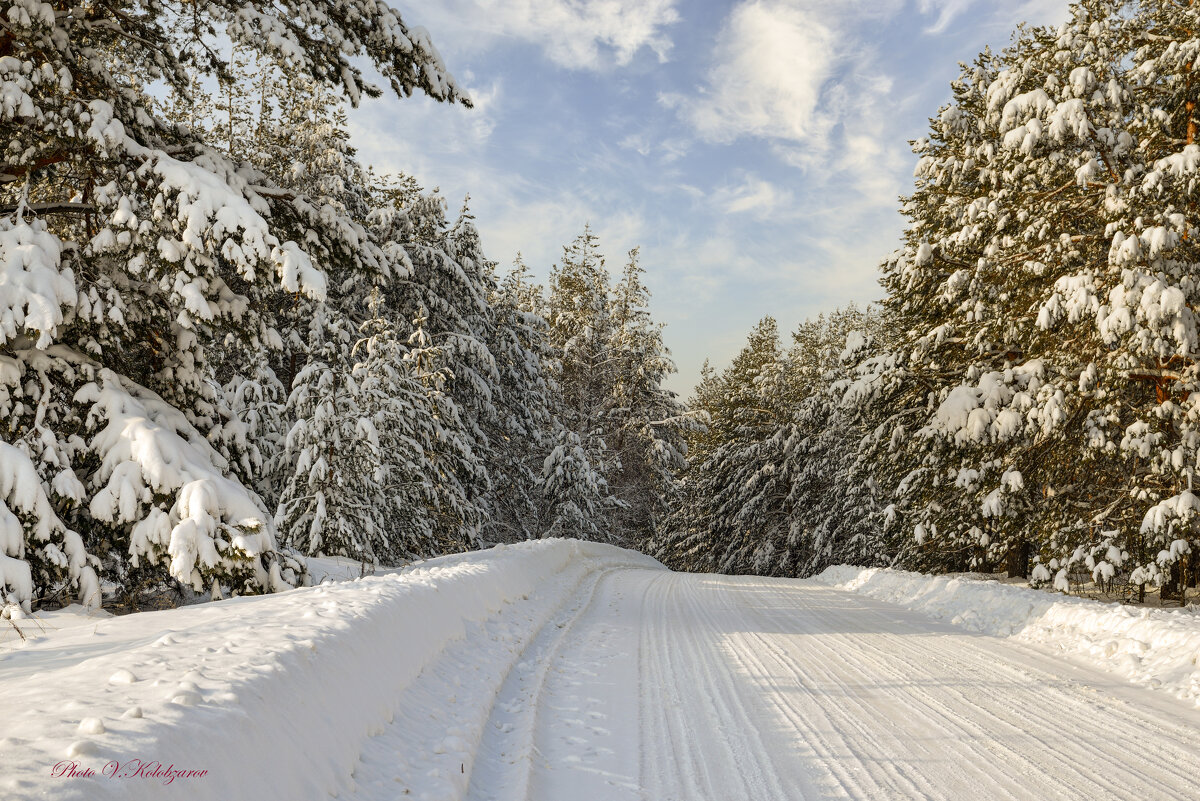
{"x": 564, "y": 671}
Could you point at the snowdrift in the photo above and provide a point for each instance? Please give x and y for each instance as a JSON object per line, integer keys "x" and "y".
{"x": 275, "y": 696}
{"x": 1157, "y": 648}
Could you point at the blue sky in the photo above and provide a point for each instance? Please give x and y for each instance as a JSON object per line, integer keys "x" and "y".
{"x": 754, "y": 150}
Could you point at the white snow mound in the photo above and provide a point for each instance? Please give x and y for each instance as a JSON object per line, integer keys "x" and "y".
{"x": 1157, "y": 648}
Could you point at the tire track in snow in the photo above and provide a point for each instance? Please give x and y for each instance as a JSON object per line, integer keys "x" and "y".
{"x": 431, "y": 746}
{"x": 978, "y": 732}
{"x": 589, "y": 734}
{"x": 657, "y": 686}
{"x": 507, "y": 750}
{"x": 852, "y": 723}
{"x": 1060, "y": 745}
{"x": 713, "y": 748}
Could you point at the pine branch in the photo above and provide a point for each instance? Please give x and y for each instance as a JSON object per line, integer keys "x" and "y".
{"x": 52, "y": 208}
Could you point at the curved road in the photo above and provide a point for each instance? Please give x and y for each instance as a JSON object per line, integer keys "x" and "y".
{"x": 661, "y": 686}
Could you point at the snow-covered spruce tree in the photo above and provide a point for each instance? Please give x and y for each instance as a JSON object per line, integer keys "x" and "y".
{"x": 832, "y": 501}
{"x": 253, "y": 426}
{"x": 574, "y": 496}
{"x": 730, "y": 515}
{"x": 1045, "y": 294}
{"x": 648, "y": 422}
{"x": 464, "y": 285}
{"x": 520, "y": 434}
{"x": 373, "y": 455}
{"x": 451, "y": 457}
{"x": 448, "y": 284}
{"x": 777, "y": 484}
{"x": 330, "y": 502}
{"x": 683, "y": 539}
{"x": 581, "y": 332}
{"x": 128, "y": 247}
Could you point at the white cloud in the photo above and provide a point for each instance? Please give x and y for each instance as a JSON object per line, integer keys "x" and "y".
{"x": 771, "y": 62}
{"x": 477, "y": 126}
{"x": 577, "y": 34}
{"x": 802, "y": 78}
{"x": 793, "y": 72}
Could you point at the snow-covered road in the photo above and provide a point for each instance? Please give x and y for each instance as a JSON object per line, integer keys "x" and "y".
{"x": 567, "y": 671}
{"x": 671, "y": 686}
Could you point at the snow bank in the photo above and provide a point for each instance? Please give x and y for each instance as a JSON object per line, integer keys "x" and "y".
{"x": 273, "y": 696}
{"x": 1153, "y": 647}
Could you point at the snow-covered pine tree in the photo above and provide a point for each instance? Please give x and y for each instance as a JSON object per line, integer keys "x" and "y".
{"x": 1157, "y": 254}
{"x": 1045, "y": 296}
{"x": 1001, "y": 210}
{"x": 128, "y": 247}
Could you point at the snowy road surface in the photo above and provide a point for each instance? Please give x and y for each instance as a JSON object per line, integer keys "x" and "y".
{"x": 670, "y": 686}
{"x": 565, "y": 671}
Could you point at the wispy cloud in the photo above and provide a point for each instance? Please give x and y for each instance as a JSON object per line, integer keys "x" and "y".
{"x": 1002, "y": 15}
{"x": 946, "y": 11}
{"x": 755, "y": 196}
{"x": 639, "y": 143}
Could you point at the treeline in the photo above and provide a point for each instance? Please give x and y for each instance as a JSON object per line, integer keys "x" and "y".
{"x": 226, "y": 344}
{"x": 1024, "y": 395}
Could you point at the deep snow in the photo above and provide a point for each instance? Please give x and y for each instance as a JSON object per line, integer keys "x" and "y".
{"x": 277, "y": 696}
{"x": 564, "y": 670}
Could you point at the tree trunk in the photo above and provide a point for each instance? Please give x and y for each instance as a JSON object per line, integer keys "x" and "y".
{"x": 1018, "y": 559}
{"x": 1172, "y": 588}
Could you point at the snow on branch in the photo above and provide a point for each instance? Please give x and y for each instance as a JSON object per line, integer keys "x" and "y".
{"x": 159, "y": 475}
{"x": 25, "y": 506}
{"x": 34, "y": 287}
